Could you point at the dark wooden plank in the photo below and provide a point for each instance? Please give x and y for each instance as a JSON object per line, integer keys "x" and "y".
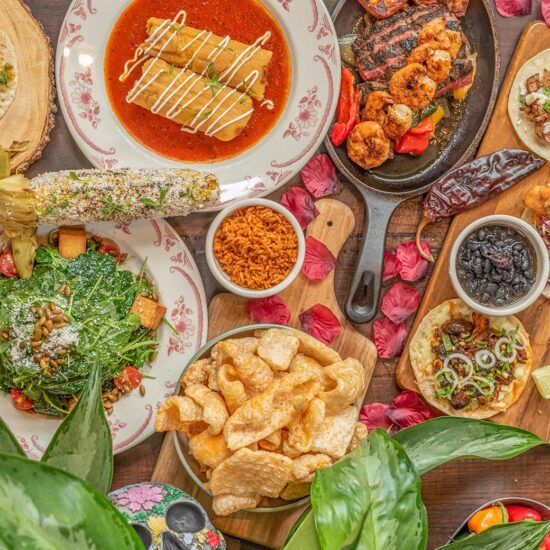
{"x": 451, "y": 491}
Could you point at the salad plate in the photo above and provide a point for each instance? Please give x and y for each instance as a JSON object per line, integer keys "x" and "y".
{"x": 87, "y": 106}
{"x": 172, "y": 270}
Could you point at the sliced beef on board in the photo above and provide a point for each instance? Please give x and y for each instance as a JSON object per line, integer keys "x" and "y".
{"x": 384, "y": 46}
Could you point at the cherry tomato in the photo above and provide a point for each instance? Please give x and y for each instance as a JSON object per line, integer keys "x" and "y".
{"x": 382, "y": 8}
{"x": 21, "y": 401}
{"x": 522, "y": 513}
{"x": 112, "y": 249}
{"x": 7, "y": 265}
{"x": 128, "y": 379}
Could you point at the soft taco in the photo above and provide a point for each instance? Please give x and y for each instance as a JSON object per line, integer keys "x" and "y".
{"x": 8, "y": 73}
{"x": 529, "y": 104}
{"x": 467, "y": 364}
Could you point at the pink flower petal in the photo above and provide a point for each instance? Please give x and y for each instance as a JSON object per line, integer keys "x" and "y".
{"x": 400, "y": 302}
{"x": 320, "y": 322}
{"x": 413, "y": 265}
{"x": 300, "y": 203}
{"x": 509, "y": 8}
{"x": 271, "y": 310}
{"x": 374, "y": 415}
{"x": 545, "y": 8}
{"x": 392, "y": 265}
{"x": 408, "y": 409}
{"x": 319, "y": 176}
{"x": 389, "y": 338}
{"x": 319, "y": 260}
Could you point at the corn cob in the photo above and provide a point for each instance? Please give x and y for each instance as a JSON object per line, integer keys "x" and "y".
{"x": 84, "y": 196}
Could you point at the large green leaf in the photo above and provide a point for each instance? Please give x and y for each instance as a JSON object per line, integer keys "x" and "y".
{"x": 443, "y": 439}
{"x": 525, "y": 535}
{"x": 303, "y": 535}
{"x": 43, "y": 508}
{"x": 370, "y": 500}
{"x": 8, "y": 443}
{"x": 83, "y": 444}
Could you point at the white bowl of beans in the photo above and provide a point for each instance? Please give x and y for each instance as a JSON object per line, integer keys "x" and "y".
{"x": 255, "y": 248}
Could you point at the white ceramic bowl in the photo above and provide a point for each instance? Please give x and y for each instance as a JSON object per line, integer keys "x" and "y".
{"x": 220, "y": 275}
{"x": 542, "y": 265}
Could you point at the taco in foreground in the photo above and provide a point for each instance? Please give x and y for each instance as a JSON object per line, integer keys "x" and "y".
{"x": 8, "y": 73}
{"x": 529, "y": 104}
{"x": 467, "y": 364}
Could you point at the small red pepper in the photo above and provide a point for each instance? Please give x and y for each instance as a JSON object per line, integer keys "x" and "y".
{"x": 417, "y": 139}
{"x": 348, "y": 110}
{"x": 522, "y": 513}
{"x": 20, "y": 400}
{"x": 545, "y": 544}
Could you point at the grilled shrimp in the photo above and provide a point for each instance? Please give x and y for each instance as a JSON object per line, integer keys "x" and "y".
{"x": 395, "y": 119}
{"x": 437, "y": 61}
{"x": 436, "y": 31}
{"x": 412, "y": 86}
{"x": 368, "y": 145}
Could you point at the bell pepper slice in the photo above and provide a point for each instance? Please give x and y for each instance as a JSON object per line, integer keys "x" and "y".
{"x": 522, "y": 513}
{"x": 348, "y": 110}
{"x": 486, "y": 518}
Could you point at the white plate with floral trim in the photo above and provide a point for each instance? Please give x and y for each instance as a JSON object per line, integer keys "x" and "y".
{"x": 259, "y": 170}
{"x": 178, "y": 282}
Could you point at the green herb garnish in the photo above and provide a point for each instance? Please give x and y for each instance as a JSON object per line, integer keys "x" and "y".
{"x": 159, "y": 205}
{"x": 447, "y": 342}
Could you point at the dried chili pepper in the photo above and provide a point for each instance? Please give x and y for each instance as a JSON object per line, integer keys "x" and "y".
{"x": 474, "y": 183}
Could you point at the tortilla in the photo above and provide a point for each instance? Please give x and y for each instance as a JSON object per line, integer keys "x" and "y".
{"x": 422, "y": 357}
{"x": 525, "y": 130}
{"x": 7, "y": 57}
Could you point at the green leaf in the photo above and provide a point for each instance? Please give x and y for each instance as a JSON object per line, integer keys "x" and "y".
{"x": 303, "y": 534}
{"x": 43, "y": 508}
{"x": 370, "y": 499}
{"x": 83, "y": 444}
{"x": 8, "y": 443}
{"x": 443, "y": 439}
{"x": 525, "y": 535}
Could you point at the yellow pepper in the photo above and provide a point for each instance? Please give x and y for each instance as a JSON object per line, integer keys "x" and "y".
{"x": 438, "y": 115}
{"x": 482, "y": 520}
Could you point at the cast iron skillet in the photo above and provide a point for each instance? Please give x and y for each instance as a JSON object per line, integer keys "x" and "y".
{"x": 384, "y": 188}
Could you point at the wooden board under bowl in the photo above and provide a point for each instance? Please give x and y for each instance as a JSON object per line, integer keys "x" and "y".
{"x": 530, "y": 412}
{"x": 28, "y": 121}
{"x": 333, "y": 226}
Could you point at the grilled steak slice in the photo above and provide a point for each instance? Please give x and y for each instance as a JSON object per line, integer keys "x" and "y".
{"x": 383, "y": 48}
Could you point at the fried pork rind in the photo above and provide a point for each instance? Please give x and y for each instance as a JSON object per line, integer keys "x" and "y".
{"x": 251, "y": 472}
{"x": 295, "y": 490}
{"x": 272, "y": 442}
{"x": 214, "y": 411}
{"x": 347, "y": 383}
{"x": 277, "y": 348}
{"x": 210, "y": 450}
{"x": 304, "y": 467}
{"x": 253, "y": 371}
{"x": 359, "y": 434}
{"x": 276, "y": 407}
{"x": 231, "y": 387}
{"x": 196, "y": 373}
{"x": 303, "y": 429}
{"x": 311, "y": 347}
{"x": 175, "y": 412}
{"x": 224, "y": 505}
{"x": 335, "y": 434}
{"x": 304, "y": 363}
{"x": 219, "y": 353}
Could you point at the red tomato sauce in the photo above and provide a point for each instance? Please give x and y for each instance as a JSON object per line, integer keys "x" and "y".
{"x": 245, "y": 21}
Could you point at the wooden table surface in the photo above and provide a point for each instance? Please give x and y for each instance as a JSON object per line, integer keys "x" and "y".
{"x": 450, "y": 492}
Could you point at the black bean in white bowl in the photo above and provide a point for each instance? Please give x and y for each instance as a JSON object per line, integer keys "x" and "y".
{"x": 499, "y": 265}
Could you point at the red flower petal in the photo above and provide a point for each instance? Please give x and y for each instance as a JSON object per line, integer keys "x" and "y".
{"x": 508, "y": 8}
{"x": 375, "y": 416}
{"x": 389, "y": 338}
{"x": 320, "y": 322}
{"x": 408, "y": 409}
{"x": 319, "y": 260}
{"x": 545, "y": 8}
{"x": 400, "y": 302}
{"x": 268, "y": 310}
{"x": 392, "y": 266}
{"x": 319, "y": 176}
{"x": 300, "y": 203}
{"x": 413, "y": 265}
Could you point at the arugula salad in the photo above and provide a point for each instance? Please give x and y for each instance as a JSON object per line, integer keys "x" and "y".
{"x": 71, "y": 311}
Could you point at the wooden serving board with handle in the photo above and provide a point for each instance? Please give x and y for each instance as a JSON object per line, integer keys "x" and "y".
{"x": 332, "y": 227}
{"x": 530, "y": 412}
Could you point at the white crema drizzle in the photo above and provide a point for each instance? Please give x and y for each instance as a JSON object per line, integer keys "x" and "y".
{"x": 181, "y": 87}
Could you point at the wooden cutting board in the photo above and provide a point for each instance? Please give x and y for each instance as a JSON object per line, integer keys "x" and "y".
{"x": 26, "y": 125}
{"x": 531, "y": 412}
{"x": 333, "y": 226}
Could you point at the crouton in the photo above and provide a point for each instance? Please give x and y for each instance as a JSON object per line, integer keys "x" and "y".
{"x": 72, "y": 242}
{"x": 149, "y": 312}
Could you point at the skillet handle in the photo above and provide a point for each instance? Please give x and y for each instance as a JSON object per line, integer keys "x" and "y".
{"x": 364, "y": 294}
